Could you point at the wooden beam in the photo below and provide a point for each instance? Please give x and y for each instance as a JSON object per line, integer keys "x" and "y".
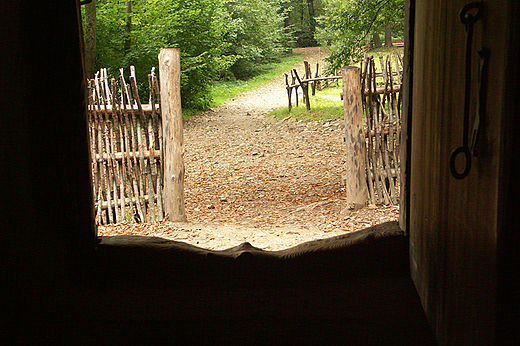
{"x": 356, "y": 186}
{"x": 147, "y": 109}
{"x": 381, "y": 90}
{"x": 170, "y": 77}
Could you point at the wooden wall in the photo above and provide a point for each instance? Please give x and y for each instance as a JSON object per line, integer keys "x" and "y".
{"x": 454, "y": 224}
{"x": 43, "y": 136}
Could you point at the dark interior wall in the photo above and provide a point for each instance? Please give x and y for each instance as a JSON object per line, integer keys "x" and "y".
{"x": 44, "y": 136}
{"x": 455, "y": 224}
{"x": 46, "y": 204}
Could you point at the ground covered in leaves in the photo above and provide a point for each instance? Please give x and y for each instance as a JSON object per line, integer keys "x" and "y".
{"x": 274, "y": 183}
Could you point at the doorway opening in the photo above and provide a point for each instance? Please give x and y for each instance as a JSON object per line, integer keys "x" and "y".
{"x": 274, "y": 183}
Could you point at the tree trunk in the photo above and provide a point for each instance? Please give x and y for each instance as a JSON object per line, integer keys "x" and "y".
{"x": 376, "y": 39}
{"x": 90, "y": 38}
{"x": 128, "y": 27}
{"x": 388, "y": 36}
{"x": 312, "y": 15}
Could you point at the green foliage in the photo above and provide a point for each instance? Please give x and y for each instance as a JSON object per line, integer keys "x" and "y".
{"x": 257, "y": 34}
{"x": 217, "y": 38}
{"x": 301, "y": 19}
{"x": 346, "y": 24}
{"x": 199, "y": 28}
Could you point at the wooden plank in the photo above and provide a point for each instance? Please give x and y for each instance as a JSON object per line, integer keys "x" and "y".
{"x": 104, "y": 205}
{"x": 372, "y": 121}
{"x": 305, "y": 80}
{"x": 119, "y": 148}
{"x": 144, "y": 141}
{"x": 151, "y": 145}
{"x": 104, "y": 145}
{"x": 314, "y": 84}
{"x": 296, "y": 86}
{"x": 140, "y": 121}
{"x": 369, "y": 133}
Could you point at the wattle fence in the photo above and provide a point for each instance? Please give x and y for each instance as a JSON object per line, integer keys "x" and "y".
{"x": 128, "y": 139}
{"x": 382, "y": 103}
{"x": 126, "y": 149}
{"x": 378, "y": 85}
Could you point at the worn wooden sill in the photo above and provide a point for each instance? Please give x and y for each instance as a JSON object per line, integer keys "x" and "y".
{"x": 381, "y": 250}
{"x": 353, "y": 289}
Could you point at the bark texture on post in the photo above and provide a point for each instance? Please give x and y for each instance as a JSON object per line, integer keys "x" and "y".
{"x": 173, "y": 145}
{"x": 356, "y": 186}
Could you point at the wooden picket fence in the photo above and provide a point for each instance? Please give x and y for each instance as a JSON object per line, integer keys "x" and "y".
{"x": 382, "y": 104}
{"x": 126, "y": 149}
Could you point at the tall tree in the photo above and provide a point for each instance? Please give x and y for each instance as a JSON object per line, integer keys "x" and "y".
{"x": 347, "y": 23}
{"x": 302, "y": 18}
{"x": 388, "y": 36}
{"x": 211, "y": 35}
{"x": 312, "y": 15}
{"x": 128, "y": 26}
{"x": 257, "y": 34}
{"x": 90, "y": 38}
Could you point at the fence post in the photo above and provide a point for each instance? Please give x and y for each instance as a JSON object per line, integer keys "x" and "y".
{"x": 173, "y": 142}
{"x": 355, "y": 178}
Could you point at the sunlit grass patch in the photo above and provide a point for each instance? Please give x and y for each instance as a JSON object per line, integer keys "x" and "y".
{"x": 322, "y": 108}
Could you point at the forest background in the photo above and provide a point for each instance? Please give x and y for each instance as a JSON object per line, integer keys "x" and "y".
{"x": 229, "y": 40}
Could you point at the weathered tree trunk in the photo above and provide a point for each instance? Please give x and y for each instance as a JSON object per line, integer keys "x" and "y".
{"x": 128, "y": 27}
{"x": 376, "y": 39}
{"x": 173, "y": 141}
{"x": 90, "y": 38}
{"x": 312, "y": 15}
{"x": 356, "y": 181}
{"x": 388, "y": 36}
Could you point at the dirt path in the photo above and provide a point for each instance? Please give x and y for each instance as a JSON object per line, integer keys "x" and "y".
{"x": 251, "y": 178}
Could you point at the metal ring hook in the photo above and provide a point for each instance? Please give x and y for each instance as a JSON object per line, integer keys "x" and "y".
{"x": 469, "y": 15}
{"x": 466, "y": 15}
{"x": 453, "y": 157}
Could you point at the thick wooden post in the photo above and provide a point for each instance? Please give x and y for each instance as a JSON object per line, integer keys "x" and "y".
{"x": 356, "y": 181}
{"x": 173, "y": 141}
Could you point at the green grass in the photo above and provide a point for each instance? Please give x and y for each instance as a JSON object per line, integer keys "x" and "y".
{"x": 321, "y": 108}
{"x": 333, "y": 89}
{"x": 221, "y": 91}
{"x": 384, "y": 52}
